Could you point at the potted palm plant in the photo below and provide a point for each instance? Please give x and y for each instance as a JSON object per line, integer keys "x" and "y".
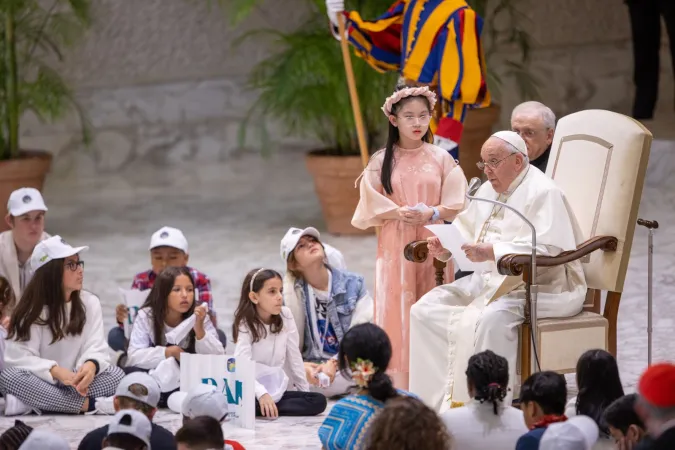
{"x": 302, "y": 84}
{"x": 33, "y": 33}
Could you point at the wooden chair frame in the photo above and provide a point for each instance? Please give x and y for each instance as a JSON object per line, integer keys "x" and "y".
{"x": 519, "y": 264}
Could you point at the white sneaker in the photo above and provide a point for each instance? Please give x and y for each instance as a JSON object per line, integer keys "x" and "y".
{"x": 105, "y": 406}
{"x": 15, "y": 407}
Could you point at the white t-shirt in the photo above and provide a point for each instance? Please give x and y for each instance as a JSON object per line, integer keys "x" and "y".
{"x": 324, "y": 334}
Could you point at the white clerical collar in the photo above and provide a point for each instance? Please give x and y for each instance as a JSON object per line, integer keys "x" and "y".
{"x": 515, "y": 183}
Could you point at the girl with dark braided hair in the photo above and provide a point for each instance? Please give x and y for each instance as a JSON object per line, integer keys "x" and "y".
{"x": 485, "y": 421}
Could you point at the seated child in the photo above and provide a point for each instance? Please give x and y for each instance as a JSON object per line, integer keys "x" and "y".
{"x": 542, "y": 399}
{"x": 170, "y": 302}
{"x": 7, "y": 302}
{"x": 624, "y": 424}
{"x": 56, "y": 359}
{"x": 328, "y": 299}
{"x": 203, "y": 432}
{"x": 265, "y": 332}
{"x": 204, "y": 400}
{"x": 168, "y": 248}
{"x": 128, "y": 430}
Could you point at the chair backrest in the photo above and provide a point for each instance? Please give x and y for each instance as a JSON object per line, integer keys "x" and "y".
{"x": 599, "y": 159}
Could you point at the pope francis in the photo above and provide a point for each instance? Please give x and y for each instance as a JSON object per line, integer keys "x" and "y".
{"x": 482, "y": 311}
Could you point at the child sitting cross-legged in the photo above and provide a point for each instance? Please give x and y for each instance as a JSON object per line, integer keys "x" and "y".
{"x": 265, "y": 332}
{"x": 168, "y": 248}
{"x": 170, "y": 302}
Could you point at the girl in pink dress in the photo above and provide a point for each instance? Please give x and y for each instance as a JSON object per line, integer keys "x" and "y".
{"x": 407, "y": 185}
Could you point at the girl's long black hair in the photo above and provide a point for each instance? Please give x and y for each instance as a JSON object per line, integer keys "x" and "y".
{"x": 368, "y": 342}
{"x": 393, "y": 138}
{"x": 599, "y": 385}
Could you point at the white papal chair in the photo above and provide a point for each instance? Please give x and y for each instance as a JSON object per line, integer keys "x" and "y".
{"x": 599, "y": 159}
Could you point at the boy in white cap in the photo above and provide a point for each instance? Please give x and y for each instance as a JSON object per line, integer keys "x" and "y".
{"x": 138, "y": 391}
{"x": 203, "y": 400}
{"x": 26, "y": 219}
{"x": 44, "y": 440}
{"x": 129, "y": 430}
{"x": 168, "y": 247}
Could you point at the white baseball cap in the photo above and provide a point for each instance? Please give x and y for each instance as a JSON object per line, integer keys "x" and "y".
{"x": 512, "y": 138}
{"x": 150, "y": 397}
{"x": 25, "y": 200}
{"x": 130, "y": 421}
{"x": 577, "y": 433}
{"x": 53, "y": 248}
{"x": 293, "y": 235}
{"x": 44, "y": 440}
{"x": 205, "y": 400}
{"x": 169, "y": 237}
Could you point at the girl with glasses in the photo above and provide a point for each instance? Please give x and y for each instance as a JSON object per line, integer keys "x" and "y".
{"x": 56, "y": 358}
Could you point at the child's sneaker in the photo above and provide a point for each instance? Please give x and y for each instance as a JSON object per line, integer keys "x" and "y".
{"x": 15, "y": 407}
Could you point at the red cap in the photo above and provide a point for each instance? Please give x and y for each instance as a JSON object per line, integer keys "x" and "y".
{"x": 657, "y": 385}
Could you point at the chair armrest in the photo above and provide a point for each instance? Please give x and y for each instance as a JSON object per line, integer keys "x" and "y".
{"x": 514, "y": 264}
{"x": 416, "y": 251}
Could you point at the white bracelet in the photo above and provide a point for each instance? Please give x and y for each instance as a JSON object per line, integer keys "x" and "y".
{"x": 436, "y": 214}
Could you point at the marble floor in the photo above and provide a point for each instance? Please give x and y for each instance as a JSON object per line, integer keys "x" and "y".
{"x": 234, "y": 215}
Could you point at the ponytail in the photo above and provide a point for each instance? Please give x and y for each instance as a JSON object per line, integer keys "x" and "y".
{"x": 488, "y": 375}
{"x": 493, "y": 393}
{"x": 381, "y": 388}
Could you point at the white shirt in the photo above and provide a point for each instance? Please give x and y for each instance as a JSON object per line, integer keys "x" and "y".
{"x": 476, "y": 427}
{"x": 275, "y": 350}
{"x": 3, "y": 336}
{"x": 18, "y": 276}
{"x": 39, "y": 355}
{"x": 142, "y": 353}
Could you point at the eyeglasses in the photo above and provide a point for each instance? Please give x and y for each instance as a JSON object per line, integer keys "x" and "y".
{"x": 73, "y": 265}
{"x": 423, "y": 119}
{"x": 491, "y": 164}
{"x": 527, "y": 133}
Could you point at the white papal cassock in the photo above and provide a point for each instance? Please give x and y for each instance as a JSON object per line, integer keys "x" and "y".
{"x": 454, "y": 321}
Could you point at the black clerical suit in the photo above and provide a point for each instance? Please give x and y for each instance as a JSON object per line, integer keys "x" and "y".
{"x": 645, "y": 21}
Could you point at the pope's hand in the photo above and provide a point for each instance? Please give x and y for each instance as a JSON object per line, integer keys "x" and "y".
{"x": 479, "y": 252}
{"x": 333, "y": 8}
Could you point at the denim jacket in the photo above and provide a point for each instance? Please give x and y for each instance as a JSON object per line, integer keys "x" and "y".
{"x": 347, "y": 289}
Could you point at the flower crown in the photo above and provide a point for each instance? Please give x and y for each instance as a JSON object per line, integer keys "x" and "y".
{"x": 408, "y": 92}
{"x": 362, "y": 371}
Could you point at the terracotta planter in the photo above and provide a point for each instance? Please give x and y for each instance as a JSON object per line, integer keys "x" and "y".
{"x": 334, "y": 178}
{"x": 29, "y": 170}
{"x": 477, "y": 129}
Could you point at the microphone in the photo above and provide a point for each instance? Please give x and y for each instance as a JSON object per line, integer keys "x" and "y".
{"x": 652, "y": 224}
{"x": 474, "y": 184}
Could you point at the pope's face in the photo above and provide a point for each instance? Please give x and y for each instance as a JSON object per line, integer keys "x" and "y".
{"x": 501, "y": 166}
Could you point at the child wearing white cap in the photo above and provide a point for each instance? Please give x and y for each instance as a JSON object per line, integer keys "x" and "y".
{"x": 56, "y": 357}
{"x": 327, "y": 298}
{"x": 26, "y": 219}
{"x": 138, "y": 391}
{"x": 129, "y": 430}
{"x": 170, "y": 308}
{"x": 168, "y": 248}
{"x": 44, "y": 440}
{"x": 264, "y": 331}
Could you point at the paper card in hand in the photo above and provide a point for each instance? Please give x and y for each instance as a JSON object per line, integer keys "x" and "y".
{"x": 133, "y": 299}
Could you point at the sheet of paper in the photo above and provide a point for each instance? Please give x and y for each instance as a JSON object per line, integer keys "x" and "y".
{"x": 133, "y": 299}
{"x": 451, "y": 239}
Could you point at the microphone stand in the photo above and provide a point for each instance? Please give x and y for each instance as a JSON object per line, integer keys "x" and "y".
{"x": 651, "y": 225}
{"x": 531, "y": 293}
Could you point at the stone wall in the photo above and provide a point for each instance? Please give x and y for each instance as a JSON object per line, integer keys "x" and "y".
{"x": 160, "y": 81}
